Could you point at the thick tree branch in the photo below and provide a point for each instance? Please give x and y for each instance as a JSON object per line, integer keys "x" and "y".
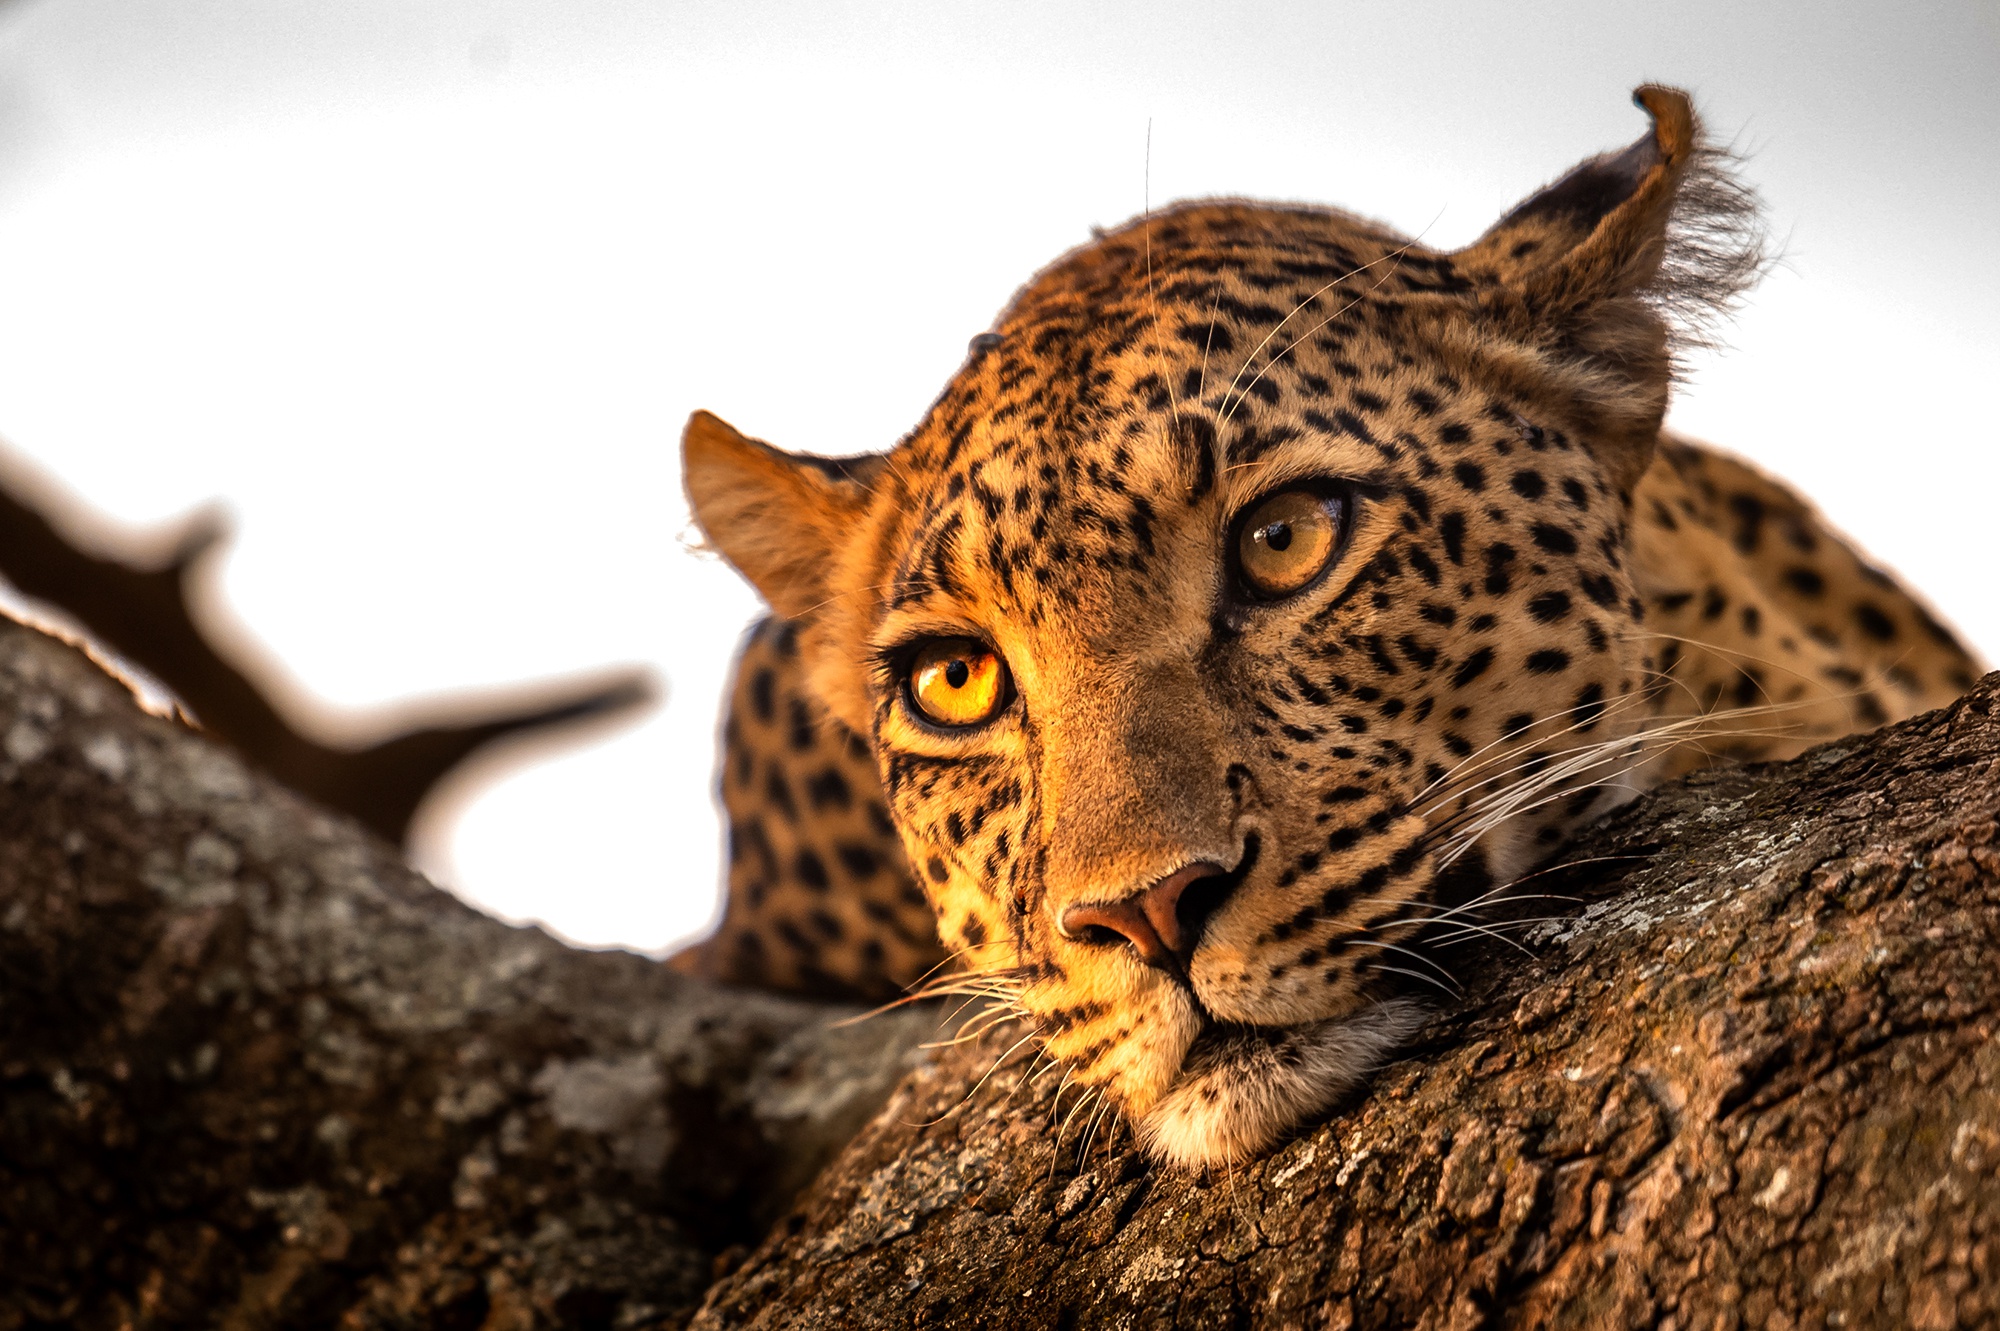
{"x": 140, "y": 610}
{"x": 1751, "y": 1080}
{"x": 256, "y": 1073}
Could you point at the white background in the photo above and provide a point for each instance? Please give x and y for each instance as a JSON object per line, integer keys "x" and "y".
{"x": 425, "y": 288}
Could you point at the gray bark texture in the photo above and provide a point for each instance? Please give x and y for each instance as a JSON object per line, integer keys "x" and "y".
{"x": 1750, "y": 1080}
{"x": 255, "y": 1073}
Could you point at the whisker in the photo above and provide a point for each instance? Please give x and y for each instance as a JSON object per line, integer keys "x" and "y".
{"x": 1231, "y": 396}
{"x": 1233, "y": 400}
{"x": 1496, "y": 930}
{"x": 1214, "y": 305}
{"x": 966, "y": 1099}
{"x": 1451, "y": 915}
{"x": 1414, "y": 975}
{"x": 1458, "y": 772}
{"x": 1449, "y": 978}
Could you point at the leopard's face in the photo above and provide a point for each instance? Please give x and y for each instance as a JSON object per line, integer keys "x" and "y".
{"x": 1171, "y": 694}
{"x": 1239, "y": 607}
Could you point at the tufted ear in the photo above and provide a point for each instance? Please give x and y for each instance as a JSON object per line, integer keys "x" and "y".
{"x": 781, "y": 518}
{"x": 1625, "y": 261}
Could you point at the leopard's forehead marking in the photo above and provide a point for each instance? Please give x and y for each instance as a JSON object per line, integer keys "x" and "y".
{"x": 1137, "y": 374}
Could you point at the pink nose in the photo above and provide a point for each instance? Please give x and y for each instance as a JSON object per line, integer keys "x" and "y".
{"x": 1162, "y": 923}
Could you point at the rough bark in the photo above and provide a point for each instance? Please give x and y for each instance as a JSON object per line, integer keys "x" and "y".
{"x": 1750, "y": 1081}
{"x": 256, "y": 1073}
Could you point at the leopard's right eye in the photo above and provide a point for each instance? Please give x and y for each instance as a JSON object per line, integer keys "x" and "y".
{"x": 957, "y": 682}
{"x": 1287, "y": 540}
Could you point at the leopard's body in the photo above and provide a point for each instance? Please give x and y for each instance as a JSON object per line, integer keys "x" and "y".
{"x": 1201, "y": 822}
{"x": 820, "y": 900}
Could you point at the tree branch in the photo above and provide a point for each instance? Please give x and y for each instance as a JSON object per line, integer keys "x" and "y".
{"x": 141, "y": 611}
{"x": 255, "y": 1073}
{"x": 1754, "y": 1082}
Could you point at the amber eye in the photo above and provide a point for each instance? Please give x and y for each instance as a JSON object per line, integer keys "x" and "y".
{"x": 957, "y": 681}
{"x": 1287, "y": 540}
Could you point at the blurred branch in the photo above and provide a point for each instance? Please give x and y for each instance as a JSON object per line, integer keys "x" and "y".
{"x": 142, "y": 613}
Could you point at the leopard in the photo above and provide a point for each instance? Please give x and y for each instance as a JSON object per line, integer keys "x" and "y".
{"x": 1266, "y": 591}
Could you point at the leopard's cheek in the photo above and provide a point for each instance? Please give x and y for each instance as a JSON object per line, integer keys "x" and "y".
{"x": 972, "y": 922}
{"x": 1295, "y": 947}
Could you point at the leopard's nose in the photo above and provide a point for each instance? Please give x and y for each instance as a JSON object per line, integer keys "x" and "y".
{"x": 1162, "y": 923}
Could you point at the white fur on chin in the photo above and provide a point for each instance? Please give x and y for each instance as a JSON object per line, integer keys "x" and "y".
{"x": 1244, "y": 1094}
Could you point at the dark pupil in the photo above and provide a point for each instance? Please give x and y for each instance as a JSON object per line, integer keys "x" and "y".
{"x": 1278, "y": 535}
{"x": 957, "y": 673}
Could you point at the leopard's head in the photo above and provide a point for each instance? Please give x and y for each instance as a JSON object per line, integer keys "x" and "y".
{"x": 1242, "y": 604}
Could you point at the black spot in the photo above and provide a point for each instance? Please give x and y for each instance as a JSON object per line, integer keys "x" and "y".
{"x": 1425, "y": 566}
{"x": 801, "y": 727}
{"x": 1549, "y": 606}
{"x": 1529, "y": 484}
{"x": 1749, "y": 512}
{"x": 1472, "y": 667}
{"x": 810, "y": 869}
{"x": 779, "y": 793}
{"x": 1470, "y": 475}
{"x": 1556, "y": 540}
{"x": 1589, "y": 706}
{"x": 1600, "y": 588}
{"x": 859, "y": 861}
{"x": 829, "y": 790}
{"x": 1874, "y": 623}
{"x": 1804, "y": 581}
{"x": 1451, "y": 527}
{"x": 1548, "y": 661}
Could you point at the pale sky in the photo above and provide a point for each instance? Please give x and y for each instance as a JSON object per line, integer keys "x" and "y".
{"x": 424, "y": 289}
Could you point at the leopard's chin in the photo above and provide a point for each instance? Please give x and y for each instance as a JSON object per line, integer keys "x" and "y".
{"x": 1242, "y": 1089}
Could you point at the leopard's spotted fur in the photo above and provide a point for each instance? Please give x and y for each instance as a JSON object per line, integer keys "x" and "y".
{"x": 820, "y": 898}
{"x": 1540, "y": 605}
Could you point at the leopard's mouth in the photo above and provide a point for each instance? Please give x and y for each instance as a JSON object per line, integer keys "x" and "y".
{"x": 1243, "y": 1088}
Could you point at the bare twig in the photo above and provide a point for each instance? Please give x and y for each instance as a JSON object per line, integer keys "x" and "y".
{"x": 140, "y": 610}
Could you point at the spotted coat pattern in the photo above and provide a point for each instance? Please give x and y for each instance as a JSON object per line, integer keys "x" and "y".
{"x": 820, "y": 900}
{"x": 1538, "y": 606}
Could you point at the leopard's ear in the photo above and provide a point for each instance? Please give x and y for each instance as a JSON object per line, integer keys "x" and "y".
{"x": 781, "y": 518}
{"x": 1624, "y": 262}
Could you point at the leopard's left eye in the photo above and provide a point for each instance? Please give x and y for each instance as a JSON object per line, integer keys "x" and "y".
{"x": 1287, "y": 540}
{"x": 957, "y": 681}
